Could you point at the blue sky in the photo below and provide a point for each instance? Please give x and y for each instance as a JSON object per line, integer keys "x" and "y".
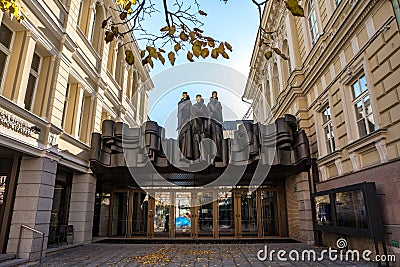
{"x": 235, "y": 22}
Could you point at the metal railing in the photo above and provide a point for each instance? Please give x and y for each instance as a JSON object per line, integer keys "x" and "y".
{"x": 35, "y": 231}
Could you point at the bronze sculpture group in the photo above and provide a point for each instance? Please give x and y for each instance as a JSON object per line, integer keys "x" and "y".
{"x": 198, "y": 122}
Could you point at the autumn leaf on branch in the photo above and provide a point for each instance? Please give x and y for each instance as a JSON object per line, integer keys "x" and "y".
{"x": 182, "y": 29}
{"x": 13, "y": 9}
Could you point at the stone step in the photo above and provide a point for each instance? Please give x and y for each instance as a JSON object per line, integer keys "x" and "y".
{"x": 13, "y": 262}
{"x": 6, "y": 257}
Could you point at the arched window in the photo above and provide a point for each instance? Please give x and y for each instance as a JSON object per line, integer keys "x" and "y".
{"x": 96, "y": 37}
{"x": 120, "y": 66}
{"x": 312, "y": 21}
{"x": 275, "y": 82}
{"x": 128, "y": 91}
{"x": 111, "y": 57}
{"x": 84, "y": 16}
{"x": 285, "y": 63}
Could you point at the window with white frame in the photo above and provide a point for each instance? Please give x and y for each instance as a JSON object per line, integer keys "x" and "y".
{"x": 362, "y": 107}
{"x": 5, "y": 49}
{"x": 312, "y": 21}
{"x": 65, "y": 108}
{"x": 32, "y": 81}
{"x": 328, "y": 129}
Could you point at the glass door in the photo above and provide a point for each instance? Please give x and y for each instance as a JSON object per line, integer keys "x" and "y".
{"x": 269, "y": 211}
{"x": 140, "y": 207}
{"x": 183, "y": 214}
{"x": 120, "y": 207}
{"x": 226, "y": 224}
{"x": 249, "y": 213}
{"x": 162, "y": 214}
{"x": 205, "y": 214}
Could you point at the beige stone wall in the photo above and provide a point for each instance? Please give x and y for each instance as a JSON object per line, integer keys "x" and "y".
{"x": 74, "y": 84}
{"x": 357, "y": 39}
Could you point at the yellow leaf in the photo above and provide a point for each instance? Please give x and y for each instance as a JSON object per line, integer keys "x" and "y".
{"x": 129, "y": 58}
{"x": 196, "y": 50}
{"x": 172, "y": 30}
{"x": 225, "y": 55}
{"x": 161, "y": 58}
{"x": 221, "y": 48}
{"x": 152, "y": 51}
{"x": 109, "y": 36}
{"x": 214, "y": 53}
{"x": 268, "y": 55}
{"x": 190, "y": 56}
{"x": 177, "y": 46}
{"x": 171, "y": 57}
{"x": 184, "y": 36}
{"x": 211, "y": 43}
{"x": 228, "y": 46}
{"x": 128, "y": 6}
{"x": 294, "y": 7}
{"x": 123, "y": 15}
{"x": 201, "y": 12}
{"x": 142, "y": 53}
{"x": 164, "y": 29}
{"x": 205, "y": 52}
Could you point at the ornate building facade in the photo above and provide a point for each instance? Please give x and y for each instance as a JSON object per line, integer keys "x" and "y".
{"x": 341, "y": 81}
{"x": 59, "y": 81}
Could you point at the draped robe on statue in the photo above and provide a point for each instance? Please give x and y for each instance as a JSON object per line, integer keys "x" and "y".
{"x": 215, "y": 110}
{"x": 200, "y": 124}
{"x": 184, "y": 128}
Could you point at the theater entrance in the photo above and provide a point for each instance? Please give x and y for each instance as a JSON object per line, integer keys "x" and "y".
{"x": 213, "y": 213}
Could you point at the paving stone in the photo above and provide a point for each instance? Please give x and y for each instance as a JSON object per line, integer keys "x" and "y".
{"x": 198, "y": 255}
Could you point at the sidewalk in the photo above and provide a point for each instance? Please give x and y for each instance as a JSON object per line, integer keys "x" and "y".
{"x": 179, "y": 255}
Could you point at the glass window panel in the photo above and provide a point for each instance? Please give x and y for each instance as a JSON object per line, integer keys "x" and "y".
{"x": 5, "y": 35}
{"x": 363, "y": 84}
{"x": 183, "y": 214}
{"x": 162, "y": 213}
{"x": 359, "y": 110}
{"x": 371, "y": 123}
{"x": 367, "y": 105}
{"x": 249, "y": 213}
{"x": 206, "y": 211}
{"x": 3, "y": 60}
{"x": 326, "y": 115}
{"x": 29, "y": 91}
{"x": 140, "y": 213}
{"x": 350, "y": 209}
{"x": 225, "y": 205}
{"x": 35, "y": 62}
{"x": 3, "y": 180}
{"x": 323, "y": 210}
{"x": 356, "y": 89}
{"x": 362, "y": 129}
{"x": 327, "y": 134}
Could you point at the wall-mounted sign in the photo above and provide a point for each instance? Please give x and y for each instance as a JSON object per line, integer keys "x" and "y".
{"x": 17, "y": 124}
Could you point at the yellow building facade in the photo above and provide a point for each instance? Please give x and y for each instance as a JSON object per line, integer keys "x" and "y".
{"x": 341, "y": 81}
{"x": 58, "y": 81}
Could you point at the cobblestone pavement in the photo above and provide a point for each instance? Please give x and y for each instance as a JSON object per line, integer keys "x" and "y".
{"x": 179, "y": 255}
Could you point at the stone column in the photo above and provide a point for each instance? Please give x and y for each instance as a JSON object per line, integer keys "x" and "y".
{"x": 32, "y": 206}
{"x": 305, "y": 213}
{"x": 81, "y": 209}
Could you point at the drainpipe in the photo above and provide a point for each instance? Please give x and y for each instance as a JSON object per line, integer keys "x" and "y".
{"x": 396, "y": 9}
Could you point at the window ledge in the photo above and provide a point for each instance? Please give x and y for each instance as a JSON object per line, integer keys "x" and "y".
{"x": 88, "y": 44}
{"x": 74, "y": 141}
{"x": 367, "y": 140}
{"x": 337, "y": 154}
